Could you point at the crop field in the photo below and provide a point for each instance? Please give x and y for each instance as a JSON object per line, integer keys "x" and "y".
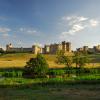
{"x": 20, "y": 59}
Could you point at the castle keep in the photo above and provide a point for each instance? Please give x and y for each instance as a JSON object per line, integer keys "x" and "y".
{"x": 47, "y": 49}
{"x": 53, "y": 48}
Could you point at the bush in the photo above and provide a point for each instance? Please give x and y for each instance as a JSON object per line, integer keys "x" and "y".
{"x": 56, "y": 72}
{"x": 36, "y": 67}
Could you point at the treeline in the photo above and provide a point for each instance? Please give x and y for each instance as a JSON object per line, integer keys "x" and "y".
{"x": 52, "y": 72}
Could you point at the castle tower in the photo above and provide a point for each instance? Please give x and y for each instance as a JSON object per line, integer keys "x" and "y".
{"x": 8, "y": 47}
{"x": 64, "y": 46}
{"x": 47, "y": 49}
{"x": 68, "y": 47}
{"x": 85, "y": 48}
{"x": 36, "y": 49}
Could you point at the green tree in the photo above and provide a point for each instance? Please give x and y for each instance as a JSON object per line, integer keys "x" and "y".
{"x": 80, "y": 59}
{"x": 36, "y": 67}
{"x": 64, "y": 59}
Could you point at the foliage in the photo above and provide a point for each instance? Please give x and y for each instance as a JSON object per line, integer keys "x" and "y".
{"x": 36, "y": 67}
{"x": 56, "y": 72}
{"x": 80, "y": 59}
{"x": 64, "y": 59}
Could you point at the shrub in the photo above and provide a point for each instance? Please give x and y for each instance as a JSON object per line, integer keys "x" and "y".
{"x": 36, "y": 67}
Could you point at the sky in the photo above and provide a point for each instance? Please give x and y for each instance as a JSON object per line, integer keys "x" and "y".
{"x": 27, "y": 22}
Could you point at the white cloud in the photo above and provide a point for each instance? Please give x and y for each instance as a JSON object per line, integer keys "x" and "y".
{"x": 74, "y": 19}
{"x": 31, "y": 31}
{"x": 94, "y": 22}
{"x": 75, "y": 28}
{"x": 76, "y": 24}
{"x": 28, "y": 30}
{"x": 5, "y": 35}
{"x": 21, "y": 29}
{"x": 4, "y": 30}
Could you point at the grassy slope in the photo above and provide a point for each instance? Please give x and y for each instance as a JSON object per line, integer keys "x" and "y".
{"x": 19, "y": 60}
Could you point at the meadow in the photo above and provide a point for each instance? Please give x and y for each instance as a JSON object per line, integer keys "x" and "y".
{"x": 84, "y": 85}
{"x": 20, "y": 59}
{"x": 65, "y": 92}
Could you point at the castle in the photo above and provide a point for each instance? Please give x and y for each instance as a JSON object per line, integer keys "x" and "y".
{"x": 51, "y": 48}
{"x": 95, "y": 49}
{"x": 47, "y": 49}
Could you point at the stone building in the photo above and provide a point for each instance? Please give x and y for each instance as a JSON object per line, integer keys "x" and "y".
{"x": 36, "y": 49}
{"x": 79, "y": 49}
{"x": 1, "y": 49}
{"x": 53, "y": 48}
{"x": 85, "y": 48}
{"x": 66, "y": 46}
{"x": 97, "y": 48}
{"x": 48, "y": 49}
{"x": 10, "y": 48}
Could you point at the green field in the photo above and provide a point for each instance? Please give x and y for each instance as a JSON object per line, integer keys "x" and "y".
{"x": 47, "y": 89}
{"x": 79, "y": 92}
{"x": 13, "y": 86}
{"x": 20, "y": 59}
{"x": 66, "y": 92}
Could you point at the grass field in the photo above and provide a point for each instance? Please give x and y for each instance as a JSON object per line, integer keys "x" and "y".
{"x": 70, "y": 88}
{"x": 38, "y": 89}
{"x": 20, "y": 59}
{"x": 68, "y": 92}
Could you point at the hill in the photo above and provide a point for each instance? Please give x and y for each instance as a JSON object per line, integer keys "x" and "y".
{"x": 20, "y": 59}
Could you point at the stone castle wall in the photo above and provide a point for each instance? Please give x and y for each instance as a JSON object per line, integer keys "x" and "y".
{"x": 48, "y": 49}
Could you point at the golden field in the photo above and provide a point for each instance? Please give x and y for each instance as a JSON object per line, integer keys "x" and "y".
{"x": 20, "y": 59}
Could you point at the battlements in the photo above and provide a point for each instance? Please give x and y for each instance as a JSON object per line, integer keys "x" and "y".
{"x": 47, "y": 49}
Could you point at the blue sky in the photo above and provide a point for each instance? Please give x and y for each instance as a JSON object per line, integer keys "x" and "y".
{"x": 28, "y": 22}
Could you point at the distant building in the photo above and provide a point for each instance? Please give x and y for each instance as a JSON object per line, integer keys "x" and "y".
{"x": 79, "y": 49}
{"x": 97, "y": 48}
{"x": 1, "y": 50}
{"x": 10, "y": 48}
{"x": 53, "y": 48}
{"x": 36, "y": 49}
{"x": 85, "y": 48}
{"x": 48, "y": 49}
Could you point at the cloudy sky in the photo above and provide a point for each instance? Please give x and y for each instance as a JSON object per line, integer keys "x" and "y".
{"x": 27, "y": 22}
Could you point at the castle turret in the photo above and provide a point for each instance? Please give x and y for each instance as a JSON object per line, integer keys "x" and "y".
{"x": 66, "y": 46}
{"x": 8, "y": 47}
